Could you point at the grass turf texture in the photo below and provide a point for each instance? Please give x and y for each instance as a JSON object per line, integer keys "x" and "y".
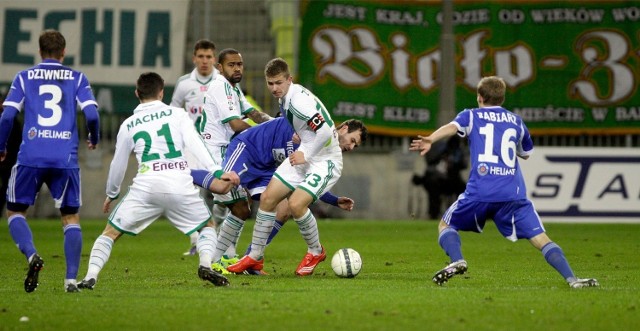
{"x": 148, "y": 284}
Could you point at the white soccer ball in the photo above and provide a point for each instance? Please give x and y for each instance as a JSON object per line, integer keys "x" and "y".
{"x": 346, "y": 263}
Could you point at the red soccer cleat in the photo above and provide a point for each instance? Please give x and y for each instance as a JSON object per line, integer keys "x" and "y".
{"x": 309, "y": 262}
{"x": 246, "y": 262}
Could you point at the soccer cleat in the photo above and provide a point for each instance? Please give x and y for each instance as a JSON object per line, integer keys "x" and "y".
{"x": 227, "y": 261}
{"x": 584, "y": 282}
{"x": 213, "y": 277}
{"x": 246, "y": 262}
{"x": 88, "y": 284}
{"x": 218, "y": 266}
{"x": 31, "y": 281}
{"x": 455, "y": 268}
{"x": 191, "y": 251}
{"x": 309, "y": 263}
{"x": 72, "y": 288}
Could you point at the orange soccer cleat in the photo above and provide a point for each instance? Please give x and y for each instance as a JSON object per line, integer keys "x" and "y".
{"x": 309, "y": 262}
{"x": 246, "y": 262}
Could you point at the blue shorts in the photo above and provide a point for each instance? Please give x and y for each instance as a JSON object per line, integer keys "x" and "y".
{"x": 254, "y": 175}
{"x": 514, "y": 219}
{"x": 25, "y": 183}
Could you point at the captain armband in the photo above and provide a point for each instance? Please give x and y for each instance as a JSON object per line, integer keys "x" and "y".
{"x": 315, "y": 122}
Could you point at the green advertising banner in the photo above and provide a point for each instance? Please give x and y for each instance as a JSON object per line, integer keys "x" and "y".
{"x": 572, "y": 67}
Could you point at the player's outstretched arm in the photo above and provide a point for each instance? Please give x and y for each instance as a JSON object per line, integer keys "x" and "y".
{"x": 340, "y": 202}
{"x": 423, "y": 144}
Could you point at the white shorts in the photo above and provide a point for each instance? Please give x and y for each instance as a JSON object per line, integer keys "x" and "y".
{"x": 236, "y": 194}
{"x": 315, "y": 177}
{"x": 188, "y": 212}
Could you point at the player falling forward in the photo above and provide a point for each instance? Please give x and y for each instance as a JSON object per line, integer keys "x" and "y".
{"x": 496, "y": 188}
{"x": 159, "y": 135}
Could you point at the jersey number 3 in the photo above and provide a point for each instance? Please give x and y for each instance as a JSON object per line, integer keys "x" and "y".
{"x": 52, "y": 104}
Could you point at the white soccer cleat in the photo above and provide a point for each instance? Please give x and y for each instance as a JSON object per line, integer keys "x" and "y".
{"x": 584, "y": 282}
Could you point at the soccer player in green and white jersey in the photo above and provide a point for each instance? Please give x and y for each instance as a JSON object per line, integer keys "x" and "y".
{"x": 308, "y": 173}
{"x": 190, "y": 88}
{"x": 159, "y": 135}
{"x": 189, "y": 94}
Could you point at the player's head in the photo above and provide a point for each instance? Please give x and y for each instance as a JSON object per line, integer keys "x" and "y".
{"x": 204, "y": 56}
{"x": 230, "y": 65}
{"x": 278, "y": 77}
{"x": 351, "y": 134}
{"x": 491, "y": 91}
{"x": 149, "y": 87}
{"x": 52, "y": 45}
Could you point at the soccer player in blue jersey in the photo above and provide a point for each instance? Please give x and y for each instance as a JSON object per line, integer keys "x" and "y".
{"x": 49, "y": 94}
{"x": 496, "y": 188}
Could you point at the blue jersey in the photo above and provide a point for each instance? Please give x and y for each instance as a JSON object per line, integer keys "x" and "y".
{"x": 50, "y": 93}
{"x": 269, "y": 143}
{"x": 256, "y": 153}
{"x": 496, "y": 137}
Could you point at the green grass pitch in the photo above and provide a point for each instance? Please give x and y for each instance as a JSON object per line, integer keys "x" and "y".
{"x": 148, "y": 285}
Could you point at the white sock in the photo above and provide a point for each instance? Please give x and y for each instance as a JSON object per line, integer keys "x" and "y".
{"x": 220, "y": 213}
{"x": 193, "y": 238}
{"x": 206, "y": 244}
{"x": 309, "y": 229}
{"x": 228, "y": 236}
{"x": 99, "y": 256}
{"x": 261, "y": 231}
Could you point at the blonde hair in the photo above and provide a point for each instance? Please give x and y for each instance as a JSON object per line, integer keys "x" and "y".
{"x": 492, "y": 90}
{"x": 276, "y": 67}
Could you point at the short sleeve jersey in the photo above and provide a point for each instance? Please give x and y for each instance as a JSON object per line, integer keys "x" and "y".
{"x": 158, "y": 134}
{"x": 189, "y": 94}
{"x": 300, "y": 107}
{"x": 496, "y": 137}
{"x": 222, "y": 104}
{"x": 49, "y": 93}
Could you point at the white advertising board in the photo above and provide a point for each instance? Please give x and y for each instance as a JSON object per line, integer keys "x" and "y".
{"x": 584, "y": 184}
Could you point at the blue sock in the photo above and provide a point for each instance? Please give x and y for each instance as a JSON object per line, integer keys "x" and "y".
{"x": 72, "y": 249}
{"x": 274, "y": 231}
{"x": 555, "y": 257}
{"x": 202, "y": 178}
{"x": 21, "y": 234}
{"x": 449, "y": 240}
